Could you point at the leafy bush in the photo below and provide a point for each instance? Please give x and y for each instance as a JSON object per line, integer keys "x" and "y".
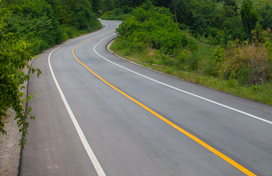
{"x": 27, "y": 28}
{"x": 266, "y": 16}
{"x": 249, "y": 17}
{"x": 249, "y": 63}
{"x": 14, "y": 57}
{"x": 233, "y": 22}
{"x": 155, "y": 27}
{"x": 118, "y": 14}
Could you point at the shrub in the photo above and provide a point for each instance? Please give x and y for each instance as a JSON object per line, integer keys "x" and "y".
{"x": 117, "y": 14}
{"x": 27, "y": 28}
{"x": 250, "y": 64}
{"x": 155, "y": 27}
{"x": 14, "y": 57}
{"x": 266, "y": 16}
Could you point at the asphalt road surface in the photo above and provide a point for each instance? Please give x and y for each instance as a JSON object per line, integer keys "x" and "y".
{"x": 97, "y": 114}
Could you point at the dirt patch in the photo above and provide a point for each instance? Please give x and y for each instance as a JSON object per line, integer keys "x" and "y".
{"x": 10, "y": 151}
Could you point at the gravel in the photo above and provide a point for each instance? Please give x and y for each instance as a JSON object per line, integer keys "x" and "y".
{"x": 10, "y": 151}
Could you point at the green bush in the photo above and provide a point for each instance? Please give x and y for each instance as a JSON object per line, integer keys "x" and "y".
{"x": 118, "y": 14}
{"x": 27, "y": 28}
{"x": 245, "y": 75}
{"x": 155, "y": 27}
{"x": 211, "y": 69}
{"x": 266, "y": 16}
{"x": 248, "y": 64}
{"x": 14, "y": 57}
{"x": 233, "y": 23}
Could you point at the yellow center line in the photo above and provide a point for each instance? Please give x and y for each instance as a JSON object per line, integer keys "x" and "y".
{"x": 221, "y": 155}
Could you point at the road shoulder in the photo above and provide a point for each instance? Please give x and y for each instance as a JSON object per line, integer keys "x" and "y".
{"x": 10, "y": 151}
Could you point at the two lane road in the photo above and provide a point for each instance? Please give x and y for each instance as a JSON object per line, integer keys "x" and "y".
{"x": 97, "y": 114}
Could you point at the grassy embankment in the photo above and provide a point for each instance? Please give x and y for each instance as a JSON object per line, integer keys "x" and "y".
{"x": 149, "y": 58}
{"x": 151, "y": 38}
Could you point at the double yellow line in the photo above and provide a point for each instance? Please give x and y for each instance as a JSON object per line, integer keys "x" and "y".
{"x": 221, "y": 155}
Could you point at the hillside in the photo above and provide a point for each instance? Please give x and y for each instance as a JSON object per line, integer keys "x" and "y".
{"x": 227, "y": 48}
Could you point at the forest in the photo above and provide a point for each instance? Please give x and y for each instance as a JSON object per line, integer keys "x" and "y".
{"x": 27, "y": 27}
{"x": 222, "y": 44}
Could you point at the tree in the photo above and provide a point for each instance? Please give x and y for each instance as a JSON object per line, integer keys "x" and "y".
{"x": 129, "y": 3}
{"x": 175, "y": 10}
{"x": 184, "y": 11}
{"x": 249, "y": 17}
{"x": 152, "y": 25}
{"x": 14, "y": 57}
{"x": 231, "y": 8}
{"x": 107, "y": 5}
{"x": 96, "y": 6}
{"x": 266, "y": 16}
{"x": 161, "y": 3}
{"x": 27, "y": 27}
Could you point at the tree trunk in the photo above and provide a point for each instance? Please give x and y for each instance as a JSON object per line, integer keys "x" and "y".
{"x": 175, "y": 9}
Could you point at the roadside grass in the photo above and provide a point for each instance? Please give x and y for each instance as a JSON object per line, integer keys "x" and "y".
{"x": 148, "y": 57}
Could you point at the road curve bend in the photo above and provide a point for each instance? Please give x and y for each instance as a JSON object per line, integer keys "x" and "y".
{"x": 98, "y": 114}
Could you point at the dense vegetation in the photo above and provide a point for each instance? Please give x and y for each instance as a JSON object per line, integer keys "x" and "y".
{"x": 27, "y": 27}
{"x": 153, "y": 26}
{"x": 220, "y": 20}
{"x": 226, "y": 46}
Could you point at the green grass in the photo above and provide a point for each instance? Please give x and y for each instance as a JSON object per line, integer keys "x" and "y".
{"x": 260, "y": 93}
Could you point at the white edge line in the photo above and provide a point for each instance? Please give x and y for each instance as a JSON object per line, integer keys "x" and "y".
{"x": 80, "y": 133}
{"x": 197, "y": 96}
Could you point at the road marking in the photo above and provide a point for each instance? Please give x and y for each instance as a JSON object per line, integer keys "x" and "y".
{"x": 167, "y": 85}
{"x": 221, "y": 155}
{"x": 80, "y": 133}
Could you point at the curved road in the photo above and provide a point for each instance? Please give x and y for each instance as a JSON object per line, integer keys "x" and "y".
{"x": 98, "y": 114}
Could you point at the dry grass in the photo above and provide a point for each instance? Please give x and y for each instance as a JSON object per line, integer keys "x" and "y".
{"x": 253, "y": 57}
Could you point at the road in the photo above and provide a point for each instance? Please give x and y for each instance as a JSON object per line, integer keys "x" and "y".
{"x": 98, "y": 114}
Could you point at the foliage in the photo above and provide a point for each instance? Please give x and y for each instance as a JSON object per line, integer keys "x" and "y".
{"x": 14, "y": 57}
{"x": 249, "y": 17}
{"x": 249, "y": 64}
{"x": 231, "y": 8}
{"x": 79, "y": 14}
{"x": 266, "y": 16}
{"x": 155, "y": 27}
{"x": 96, "y": 6}
{"x": 205, "y": 18}
{"x": 228, "y": 41}
{"x": 27, "y": 28}
{"x": 153, "y": 59}
{"x": 107, "y": 5}
{"x": 117, "y": 14}
{"x": 47, "y": 28}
